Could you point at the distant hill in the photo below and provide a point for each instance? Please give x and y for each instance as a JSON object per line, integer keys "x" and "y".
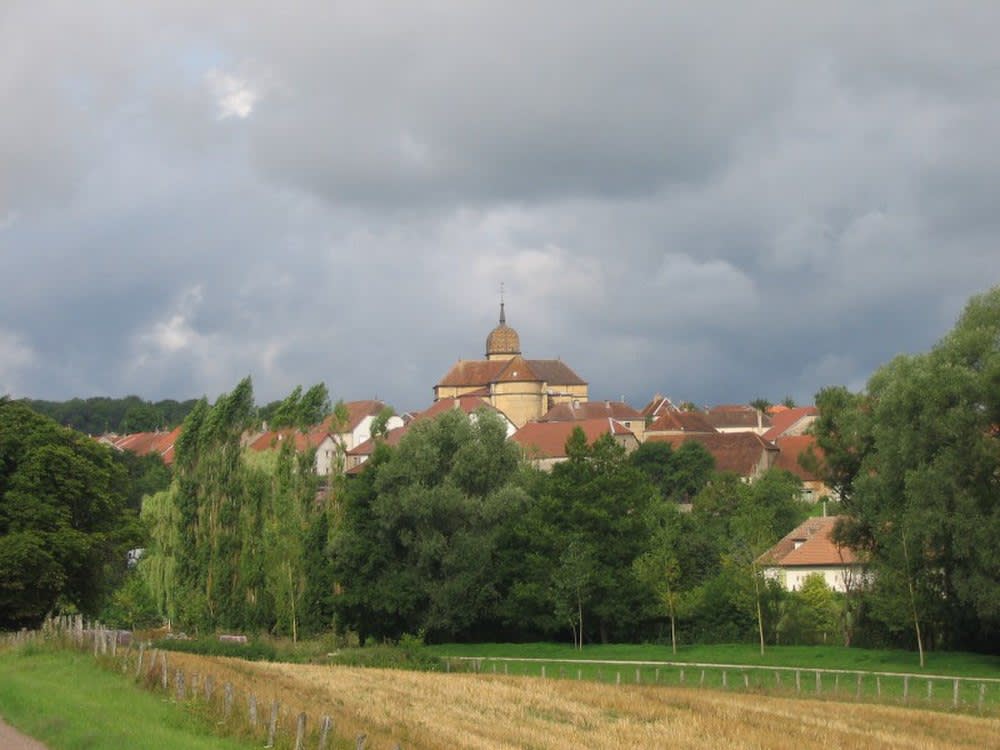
{"x": 100, "y": 414}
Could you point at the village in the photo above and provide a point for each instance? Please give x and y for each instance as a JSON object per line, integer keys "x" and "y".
{"x": 541, "y": 402}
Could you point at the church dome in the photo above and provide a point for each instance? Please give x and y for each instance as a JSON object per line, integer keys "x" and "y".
{"x": 503, "y": 341}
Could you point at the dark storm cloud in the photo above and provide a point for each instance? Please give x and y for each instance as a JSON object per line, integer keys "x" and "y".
{"x": 716, "y": 202}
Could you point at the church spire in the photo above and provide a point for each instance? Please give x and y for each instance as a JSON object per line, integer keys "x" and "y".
{"x": 503, "y": 318}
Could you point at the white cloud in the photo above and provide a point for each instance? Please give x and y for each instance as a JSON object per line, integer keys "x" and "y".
{"x": 234, "y": 97}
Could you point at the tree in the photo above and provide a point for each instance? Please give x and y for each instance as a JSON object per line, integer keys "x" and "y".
{"x": 917, "y": 458}
{"x": 416, "y": 544}
{"x": 64, "y": 524}
{"x": 760, "y": 404}
{"x": 660, "y": 567}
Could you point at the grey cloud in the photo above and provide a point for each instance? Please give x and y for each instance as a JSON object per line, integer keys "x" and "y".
{"x": 716, "y": 201}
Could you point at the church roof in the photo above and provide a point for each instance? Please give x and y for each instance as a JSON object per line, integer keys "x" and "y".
{"x": 481, "y": 372}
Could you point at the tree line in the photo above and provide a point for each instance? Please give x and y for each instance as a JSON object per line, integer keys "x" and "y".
{"x": 100, "y": 415}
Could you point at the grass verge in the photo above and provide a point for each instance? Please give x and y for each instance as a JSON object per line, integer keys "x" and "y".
{"x": 66, "y": 700}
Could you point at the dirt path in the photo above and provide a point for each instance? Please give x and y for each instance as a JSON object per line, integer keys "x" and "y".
{"x": 11, "y": 739}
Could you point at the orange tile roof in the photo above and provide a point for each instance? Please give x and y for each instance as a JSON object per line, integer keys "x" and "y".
{"x": 146, "y": 443}
{"x": 548, "y": 439}
{"x": 810, "y": 544}
{"x": 785, "y": 419}
{"x": 740, "y": 452}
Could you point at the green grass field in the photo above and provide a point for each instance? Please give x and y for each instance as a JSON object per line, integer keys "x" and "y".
{"x": 64, "y": 699}
{"x": 959, "y": 664}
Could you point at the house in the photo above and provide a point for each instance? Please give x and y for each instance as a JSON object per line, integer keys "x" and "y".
{"x": 523, "y": 389}
{"x": 738, "y": 418}
{"x": 469, "y": 404}
{"x": 791, "y": 421}
{"x": 744, "y": 453}
{"x": 808, "y": 549}
{"x": 330, "y": 437}
{"x": 790, "y": 449}
{"x": 577, "y": 411}
{"x": 544, "y": 443}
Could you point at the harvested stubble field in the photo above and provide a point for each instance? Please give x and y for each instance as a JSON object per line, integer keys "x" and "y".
{"x": 432, "y": 710}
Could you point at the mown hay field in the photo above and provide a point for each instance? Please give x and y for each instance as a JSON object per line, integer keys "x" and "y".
{"x": 432, "y": 710}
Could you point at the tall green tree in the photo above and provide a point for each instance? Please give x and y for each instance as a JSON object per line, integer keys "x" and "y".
{"x": 64, "y": 522}
{"x": 918, "y": 457}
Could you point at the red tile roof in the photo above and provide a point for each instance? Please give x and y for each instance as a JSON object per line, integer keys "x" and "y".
{"x": 656, "y": 405}
{"x": 573, "y": 411}
{"x": 791, "y": 448}
{"x": 480, "y": 372}
{"x": 736, "y": 415}
{"x": 673, "y": 420}
{"x": 548, "y": 439}
{"x": 787, "y": 418}
{"x": 740, "y": 452}
{"x": 809, "y": 544}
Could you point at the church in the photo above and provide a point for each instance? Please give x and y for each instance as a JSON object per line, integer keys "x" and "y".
{"x": 523, "y": 389}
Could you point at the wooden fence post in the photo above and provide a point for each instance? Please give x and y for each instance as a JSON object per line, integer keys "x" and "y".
{"x": 227, "y": 702}
{"x": 701, "y": 680}
{"x": 724, "y": 679}
{"x": 138, "y": 662}
{"x": 930, "y": 688}
{"x": 819, "y": 683}
{"x": 878, "y": 686}
{"x": 777, "y": 678}
{"x": 543, "y": 671}
{"x": 324, "y": 732}
{"x": 618, "y": 678}
{"x": 906, "y": 689}
{"x": 163, "y": 665}
{"x": 505, "y": 668}
{"x": 656, "y": 675}
{"x": 746, "y": 681}
{"x": 637, "y": 678}
{"x": 179, "y": 684}
{"x": 252, "y": 711}
{"x": 798, "y": 681}
{"x": 982, "y": 695}
{"x": 954, "y": 700}
{"x": 857, "y": 693}
{"x": 209, "y": 684}
{"x": 836, "y": 684}
{"x": 272, "y": 727}
{"x": 300, "y": 732}
{"x": 682, "y": 676}
{"x": 579, "y": 675}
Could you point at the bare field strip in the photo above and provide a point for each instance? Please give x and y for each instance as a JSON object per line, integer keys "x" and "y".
{"x": 427, "y": 710}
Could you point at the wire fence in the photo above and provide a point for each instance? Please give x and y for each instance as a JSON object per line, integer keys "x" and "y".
{"x": 941, "y": 692}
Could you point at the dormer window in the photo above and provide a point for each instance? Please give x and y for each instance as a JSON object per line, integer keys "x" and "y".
{"x": 798, "y": 543}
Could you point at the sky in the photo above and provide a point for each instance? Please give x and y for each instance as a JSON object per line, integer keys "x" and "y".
{"x": 716, "y": 201}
